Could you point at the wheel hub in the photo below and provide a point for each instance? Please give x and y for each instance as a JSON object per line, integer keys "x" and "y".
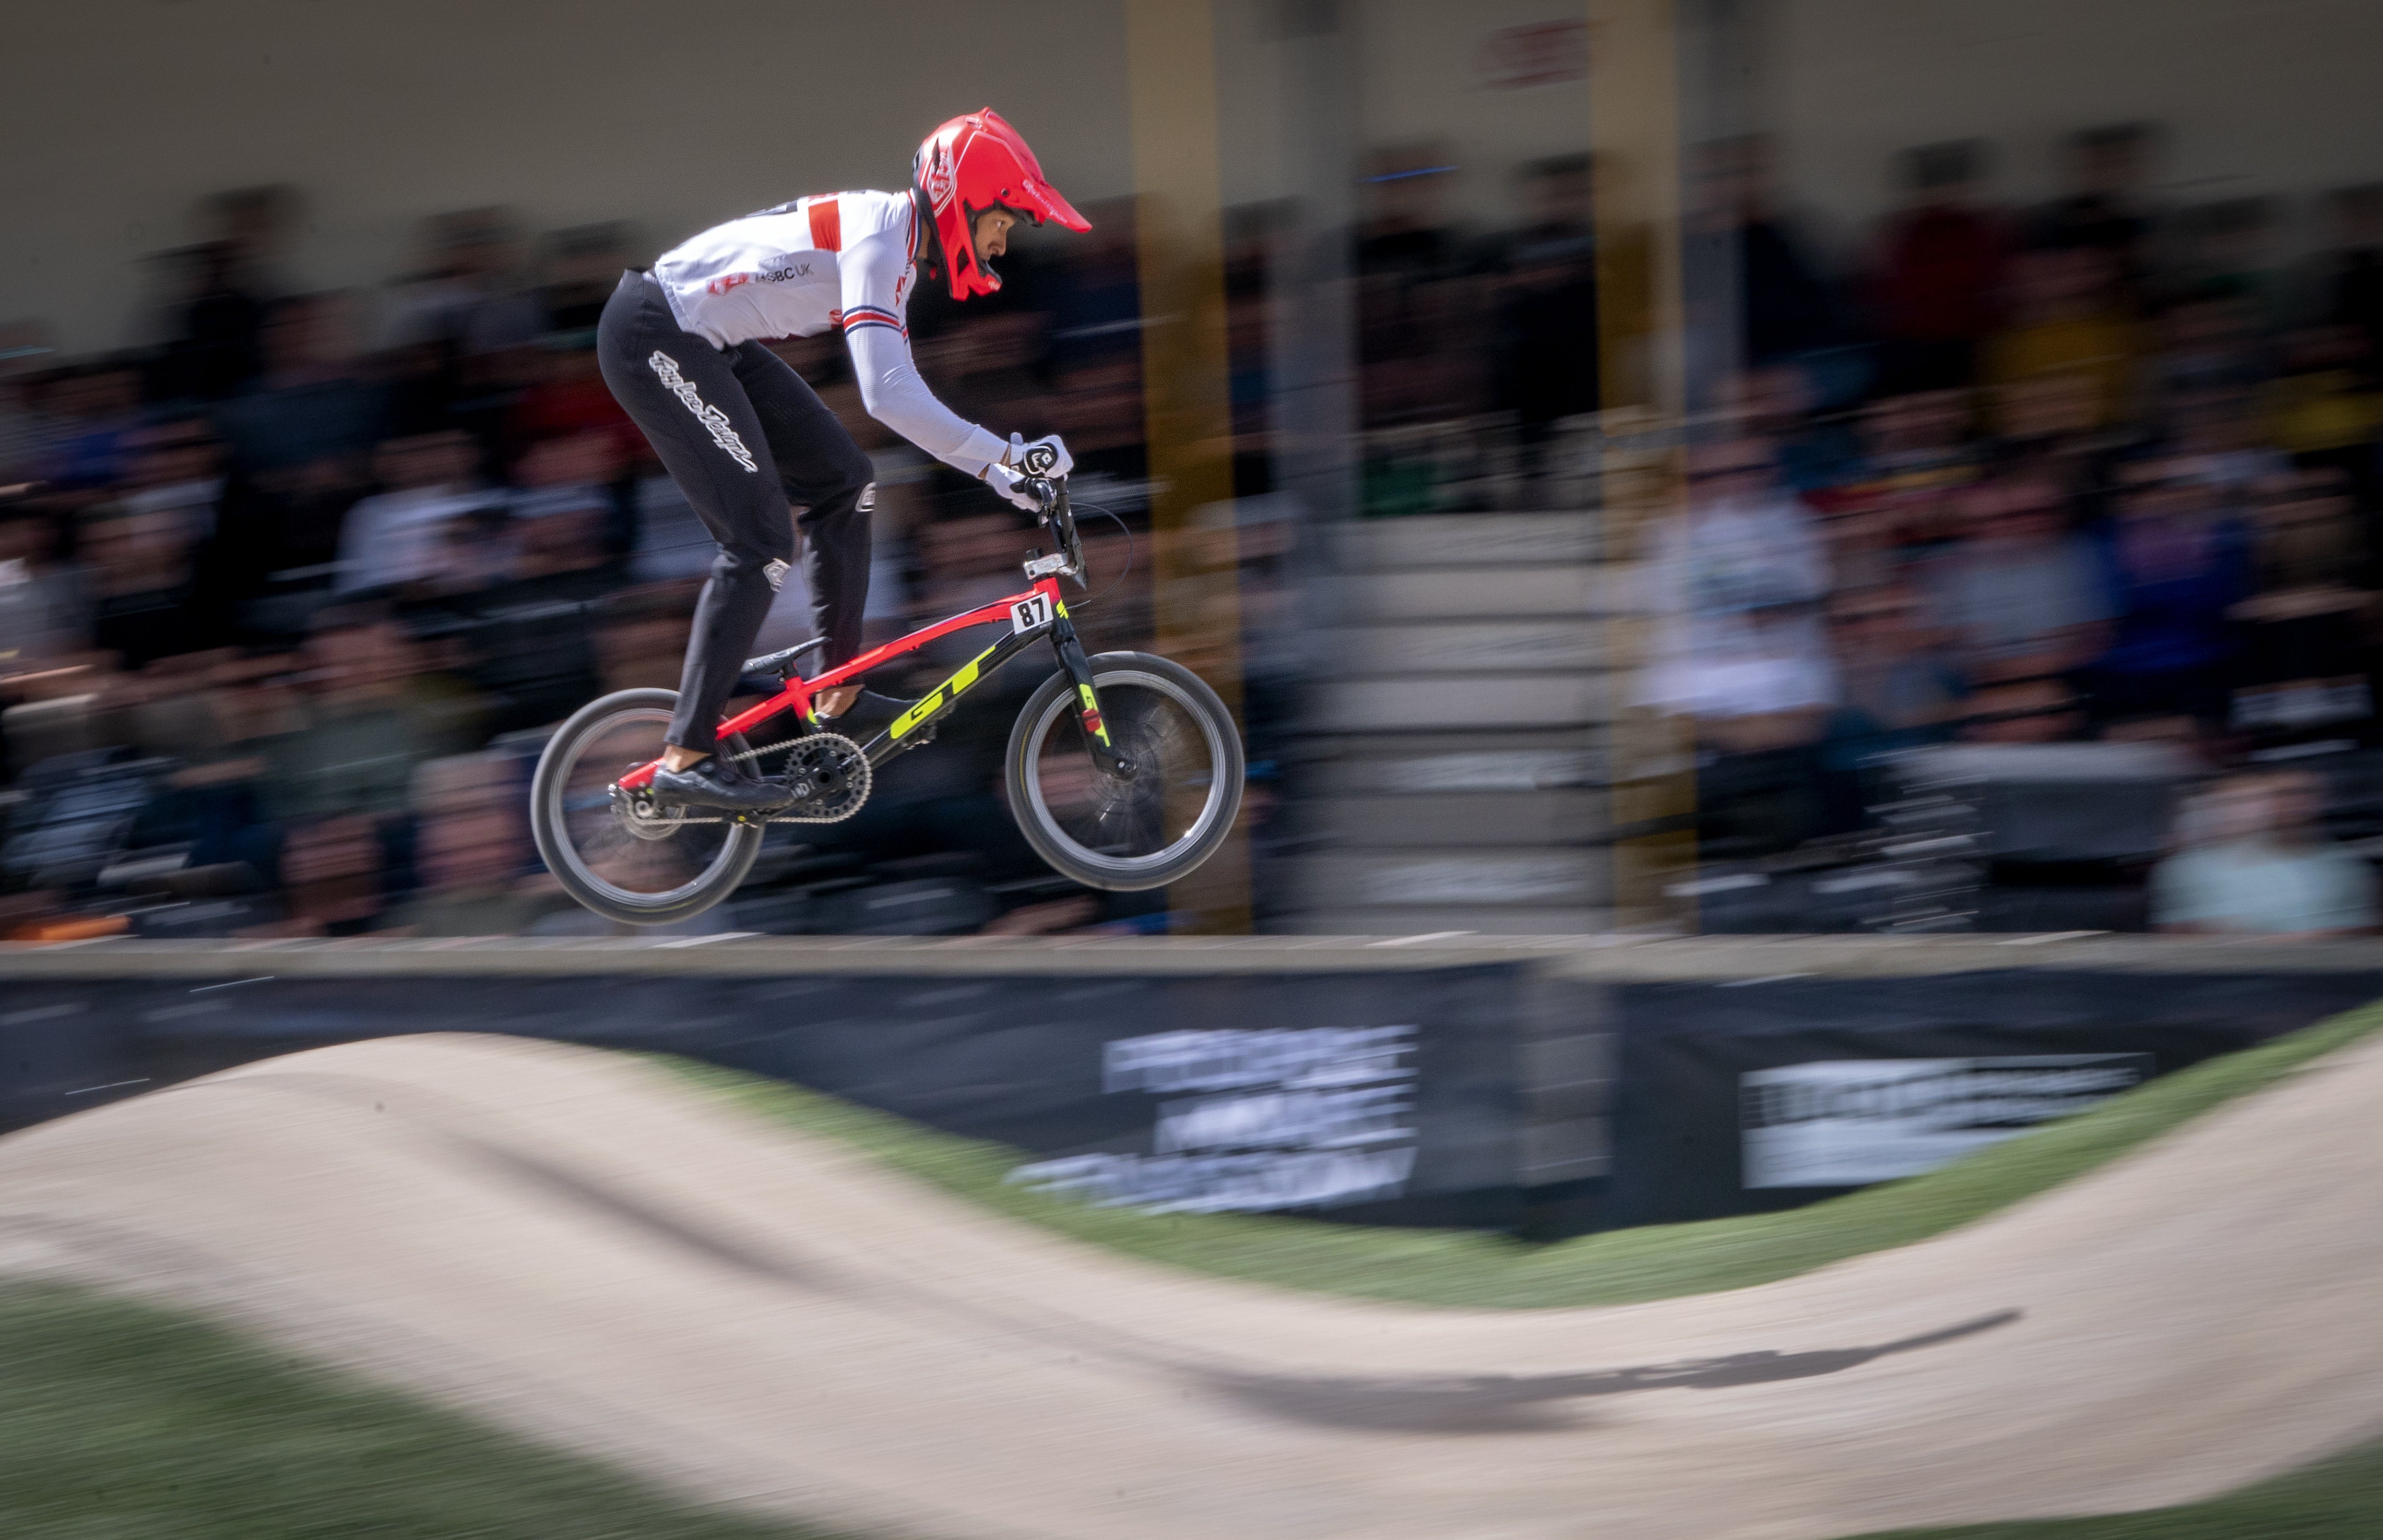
{"x": 642, "y": 817}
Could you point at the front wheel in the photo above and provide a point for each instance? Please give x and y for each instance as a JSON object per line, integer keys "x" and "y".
{"x": 1144, "y": 830}
{"x": 624, "y": 854}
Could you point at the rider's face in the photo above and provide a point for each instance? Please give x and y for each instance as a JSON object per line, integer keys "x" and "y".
{"x": 991, "y": 233}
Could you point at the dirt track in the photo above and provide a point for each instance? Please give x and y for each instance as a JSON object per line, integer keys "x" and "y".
{"x": 581, "y": 1246}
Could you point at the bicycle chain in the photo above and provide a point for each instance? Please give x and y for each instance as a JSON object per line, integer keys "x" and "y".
{"x": 860, "y": 771}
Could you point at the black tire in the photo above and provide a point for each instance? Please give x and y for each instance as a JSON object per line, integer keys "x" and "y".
{"x": 674, "y": 868}
{"x": 1165, "y": 719}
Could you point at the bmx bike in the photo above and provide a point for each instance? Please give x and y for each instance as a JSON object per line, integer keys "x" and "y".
{"x": 1124, "y": 771}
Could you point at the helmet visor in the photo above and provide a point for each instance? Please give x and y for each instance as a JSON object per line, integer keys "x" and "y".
{"x": 1041, "y": 201}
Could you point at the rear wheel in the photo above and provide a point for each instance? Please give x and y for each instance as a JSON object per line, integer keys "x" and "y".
{"x": 1144, "y": 830}
{"x": 621, "y": 853}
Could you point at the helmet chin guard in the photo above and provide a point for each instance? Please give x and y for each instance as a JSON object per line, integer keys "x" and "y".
{"x": 973, "y": 162}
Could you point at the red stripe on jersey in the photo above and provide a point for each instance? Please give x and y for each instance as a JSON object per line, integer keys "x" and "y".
{"x": 827, "y": 224}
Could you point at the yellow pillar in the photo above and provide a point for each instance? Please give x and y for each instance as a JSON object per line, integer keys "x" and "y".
{"x": 1171, "y": 73}
{"x": 1634, "y": 107}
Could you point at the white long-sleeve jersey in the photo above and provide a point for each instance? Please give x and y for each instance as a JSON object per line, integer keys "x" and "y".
{"x": 845, "y": 259}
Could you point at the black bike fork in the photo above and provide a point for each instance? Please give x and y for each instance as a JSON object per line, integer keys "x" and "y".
{"x": 1088, "y": 702}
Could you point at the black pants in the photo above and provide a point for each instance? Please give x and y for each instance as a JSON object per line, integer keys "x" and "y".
{"x": 743, "y": 436}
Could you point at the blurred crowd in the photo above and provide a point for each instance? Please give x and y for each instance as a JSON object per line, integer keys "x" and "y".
{"x": 2104, "y": 471}
{"x": 288, "y": 596}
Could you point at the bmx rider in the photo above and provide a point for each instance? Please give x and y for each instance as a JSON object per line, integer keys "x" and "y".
{"x": 743, "y": 435}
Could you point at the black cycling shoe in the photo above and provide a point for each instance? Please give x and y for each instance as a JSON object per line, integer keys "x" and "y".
{"x": 713, "y": 782}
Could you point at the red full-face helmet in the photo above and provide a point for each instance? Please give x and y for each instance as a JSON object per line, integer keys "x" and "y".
{"x": 970, "y": 165}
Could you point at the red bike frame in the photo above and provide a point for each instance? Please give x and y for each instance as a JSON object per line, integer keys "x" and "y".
{"x": 1031, "y": 615}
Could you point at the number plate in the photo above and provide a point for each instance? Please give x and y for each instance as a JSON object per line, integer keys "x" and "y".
{"x": 1030, "y": 613}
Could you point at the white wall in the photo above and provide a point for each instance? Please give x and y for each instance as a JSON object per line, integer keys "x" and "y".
{"x": 2265, "y": 96}
{"x": 1418, "y": 78}
{"x": 119, "y": 112}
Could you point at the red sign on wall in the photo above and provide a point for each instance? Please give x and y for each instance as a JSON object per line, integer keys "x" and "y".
{"x": 1543, "y": 53}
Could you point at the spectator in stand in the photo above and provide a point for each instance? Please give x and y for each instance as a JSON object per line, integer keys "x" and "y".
{"x": 2069, "y": 326}
{"x": 2256, "y": 862}
{"x": 564, "y": 395}
{"x": 331, "y": 877}
{"x": 312, "y": 404}
{"x": 523, "y": 612}
{"x": 465, "y": 300}
{"x": 93, "y": 409}
{"x": 45, "y": 605}
{"x": 580, "y": 473}
{"x": 1914, "y": 454}
{"x": 1547, "y": 341}
{"x": 2325, "y": 412}
{"x": 2178, "y": 561}
{"x": 25, "y": 349}
{"x": 2219, "y": 434}
{"x": 299, "y": 446}
{"x": 2020, "y": 593}
{"x": 2227, "y": 250}
{"x": 1740, "y": 577}
{"x": 471, "y": 865}
{"x": 2354, "y": 283}
{"x": 2010, "y": 706}
{"x": 2109, "y": 211}
{"x": 1816, "y": 451}
{"x": 367, "y": 714}
{"x": 216, "y": 347}
{"x": 569, "y": 474}
{"x": 1740, "y": 644}
{"x": 583, "y": 265}
{"x": 175, "y": 467}
{"x": 1898, "y": 689}
{"x": 2209, "y": 340}
{"x": 1940, "y": 271}
{"x": 1897, "y": 685}
{"x": 393, "y": 538}
{"x": 641, "y": 636}
{"x": 140, "y": 570}
{"x": 1097, "y": 404}
{"x": 2301, "y": 652}
{"x": 1410, "y": 299}
{"x": 1788, "y": 309}
{"x": 982, "y": 366}
{"x": 1095, "y": 296}
{"x": 472, "y": 854}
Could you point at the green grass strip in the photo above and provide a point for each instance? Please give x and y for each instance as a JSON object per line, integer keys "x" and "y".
{"x": 2340, "y": 1498}
{"x": 1464, "y": 1268}
{"x": 128, "y": 1422}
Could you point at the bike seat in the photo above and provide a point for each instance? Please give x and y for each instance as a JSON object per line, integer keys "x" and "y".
{"x": 782, "y": 663}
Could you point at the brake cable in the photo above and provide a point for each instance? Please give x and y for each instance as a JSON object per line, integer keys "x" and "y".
{"x": 1092, "y": 598}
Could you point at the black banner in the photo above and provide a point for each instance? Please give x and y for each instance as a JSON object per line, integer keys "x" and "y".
{"x": 1383, "y": 1098}
{"x": 1737, "y": 1097}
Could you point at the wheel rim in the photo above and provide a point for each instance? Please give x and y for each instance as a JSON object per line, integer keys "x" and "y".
{"x": 1178, "y": 793}
{"x": 641, "y": 862}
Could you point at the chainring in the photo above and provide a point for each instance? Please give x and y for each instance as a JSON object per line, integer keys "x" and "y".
{"x": 832, "y": 775}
